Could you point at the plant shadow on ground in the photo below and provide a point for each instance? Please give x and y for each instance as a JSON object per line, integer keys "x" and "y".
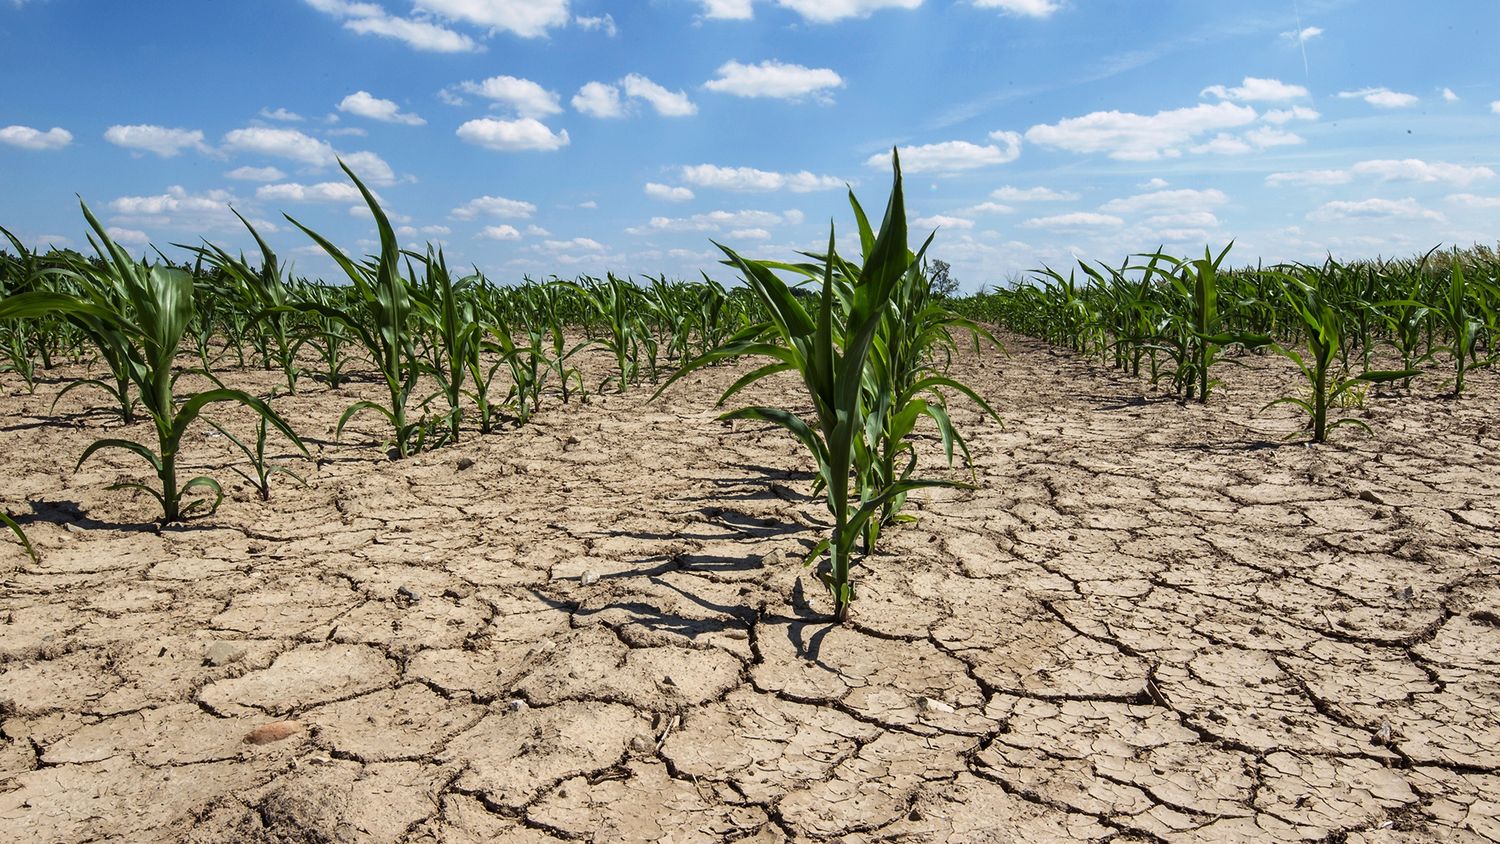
{"x": 64, "y": 513}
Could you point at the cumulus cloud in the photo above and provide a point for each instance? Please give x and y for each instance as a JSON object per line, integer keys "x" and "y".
{"x": 1074, "y": 220}
{"x": 372, "y": 19}
{"x": 494, "y": 206}
{"x": 1037, "y": 194}
{"x": 1310, "y": 178}
{"x": 738, "y": 10}
{"x": 988, "y": 208}
{"x": 255, "y": 174}
{"x": 1287, "y": 115}
{"x": 1253, "y": 89}
{"x": 177, "y": 208}
{"x": 320, "y": 192}
{"x": 526, "y": 18}
{"x": 604, "y": 23}
{"x": 290, "y": 144}
{"x": 954, "y": 156}
{"x": 1022, "y": 8}
{"x": 828, "y": 11}
{"x": 500, "y": 232}
{"x": 1380, "y": 97}
{"x": 365, "y": 104}
{"x": 717, "y": 221}
{"x": 1140, "y": 137}
{"x": 123, "y": 235}
{"x": 1166, "y": 200}
{"x": 1474, "y": 201}
{"x": 526, "y": 97}
{"x": 512, "y": 135}
{"x": 1417, "y": 170}
{"x": 667, "y": 103}
{"x": 1449, "y": 96}
{"x": 158, "y": 140}
{"x": 282, "y": 114}
{"x": 668, "y": 192}
{"x": 944, "y": 221}
{"x": 775, "y": 80}
{"x": 597, "y": 99}
{"x": 751, "y": 180}
{"x": 1373, "y": 209}
{"x": 26, "y": 137}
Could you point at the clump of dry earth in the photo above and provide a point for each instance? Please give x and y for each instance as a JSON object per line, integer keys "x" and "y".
{"x": 1151, "y": 623}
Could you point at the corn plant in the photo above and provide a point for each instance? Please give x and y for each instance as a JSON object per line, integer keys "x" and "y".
{"x": 149, "y": 311}
{"x": 378, "y": 317}
{"x": 1454, "y": 310}
{"x": 263, "y": 297}
{"x": 1323, "y": 335}
{"x": 262, "y": 469}
{"x": 5, "y": 519}
{"x": 830, "y": 350}
{"x": 1200, "y": 333}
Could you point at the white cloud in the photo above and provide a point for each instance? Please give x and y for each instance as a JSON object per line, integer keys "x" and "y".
{"x": 1022, "y": 8}
{"x": 525, "y": 96}
{"x": 371, "y": 168}
{"x": 667, "y": 103}
{"x": 430, "y": 231}
{"x": 123, "y": 235}
{"x": 282, "y": 114}
{"x": 1380, "y": 97}
{"x": 1223, "y": 144}
{"x": 365, "y": 104}
{"x": 346, "y": 131}
{"x": 26, "y": 137}
{"x": 1303, "y": 35}
{"x": 1474, "y": 201}
{"x": 774, "y": 79}
{"x": 751, "y": 180}
{"x": 1139, "y": 137}
{"x": 510, "y": 135}
{"x": 372, "y": 19}
{"x": 827, "y": 11}
{"x": 1494, "y": 107}
{"x": 668, "y": 192}
{"x": 584, "y": 243}
{"x": 749, "y": 234}
{"x": 1184, "y": 219}
{"x": 1037, "y": 194}
{"x": 1155, "y": 183}
{"x": 1416, "y": 170}
{"x": 1265, "y": 137}
{"x": 1286, "y": 115}
{"x": 178, "y": 208}
{"x": 1074, "y": 220}
{"x": 604, "y": 23}
{"x": 717, "y": 221}
{"x": 159, "y": 140}
{"x": 597, "y": 99}
{"x": 942, "y": 221}
{"x": 1253, "y": 89}
{"x": 1373, "y": 209}
{"x": 494, "y": 206}
{"x": 320, "y": 192}
{"x": 537, "y": 231}
{"x": 1175, "y": 201}
{"x": 1449, "y": 96}
{"x": 738, "y": 10}
{"x": 588, "y": 205}
{"x": 255, "y": 174}
{"x": 988, "y": 208}
{"x": 953, "y": 156}
{"x": 501, "y": 232}
{"x": 290, "y": 144}
{"x": 526, "y": 18}
{"x": 1310, "y": 177}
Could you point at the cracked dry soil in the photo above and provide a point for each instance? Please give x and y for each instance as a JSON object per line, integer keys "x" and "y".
{"x": 1150, "y": 624}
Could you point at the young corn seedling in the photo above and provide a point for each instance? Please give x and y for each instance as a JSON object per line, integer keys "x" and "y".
{"x": 1322, "y": 332}
{"x": 151, "y": 318}
{"x": 379, "y": 317}
{"x": 263, "y": 470}
{"x": 5, "y": 519}
{"x": 1453, "y": 310}
{"x": 263, "y": 299}
{"x": 830, "y": 350}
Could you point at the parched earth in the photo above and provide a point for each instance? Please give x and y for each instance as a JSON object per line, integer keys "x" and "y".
{"x": 1151, "y": 623}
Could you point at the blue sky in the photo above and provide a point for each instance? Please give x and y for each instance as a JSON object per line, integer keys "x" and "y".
{"x": 571, "y": 136}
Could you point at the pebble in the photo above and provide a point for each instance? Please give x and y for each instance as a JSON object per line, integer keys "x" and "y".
{"x": 276, "y": 731}
{"x": 589, "y": 578}
{"x": 516, "y": 705}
